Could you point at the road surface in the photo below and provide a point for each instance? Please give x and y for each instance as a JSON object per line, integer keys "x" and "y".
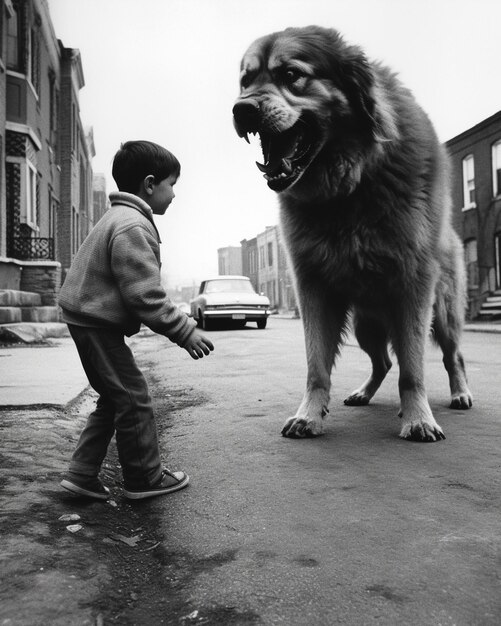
{"x": 356, "y": 527}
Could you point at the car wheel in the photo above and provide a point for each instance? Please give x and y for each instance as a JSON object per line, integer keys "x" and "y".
{"x": 261, "y": 324}
{"x": 205, "y": 323}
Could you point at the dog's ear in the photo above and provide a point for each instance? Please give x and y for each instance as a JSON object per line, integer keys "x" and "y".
{"x": 374, "y": 111}
{"x": 358, "y": 84}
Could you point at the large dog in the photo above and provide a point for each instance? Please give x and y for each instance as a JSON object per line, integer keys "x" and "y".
{"x": 365, "y": 215}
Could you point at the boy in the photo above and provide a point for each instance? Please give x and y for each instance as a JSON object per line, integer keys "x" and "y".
{"x": 112, "y": 287}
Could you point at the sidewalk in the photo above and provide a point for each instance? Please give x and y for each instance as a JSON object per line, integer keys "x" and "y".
{"x": 48, "y": 373}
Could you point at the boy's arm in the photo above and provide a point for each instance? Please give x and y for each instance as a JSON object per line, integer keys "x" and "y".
{"x": 136, "y": 270}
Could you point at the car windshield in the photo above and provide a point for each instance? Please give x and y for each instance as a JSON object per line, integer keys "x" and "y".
{"x": 233, "y": 285}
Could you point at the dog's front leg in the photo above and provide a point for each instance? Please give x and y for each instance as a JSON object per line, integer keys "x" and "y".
{"x": 323, "y": 324}
{"x": 409, "y": 341}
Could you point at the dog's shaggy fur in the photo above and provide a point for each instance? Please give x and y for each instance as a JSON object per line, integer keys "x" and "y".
{"x": 365, "y": 215}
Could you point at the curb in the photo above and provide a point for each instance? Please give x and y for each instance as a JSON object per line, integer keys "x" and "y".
{"x": 32, "y": 332}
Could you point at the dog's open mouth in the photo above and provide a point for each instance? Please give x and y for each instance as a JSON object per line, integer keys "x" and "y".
{"x": 286, "y": 155}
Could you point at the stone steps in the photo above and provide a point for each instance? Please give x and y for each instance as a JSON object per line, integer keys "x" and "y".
{"x": 491, "y": 308}
{"x": 25, "y": 306}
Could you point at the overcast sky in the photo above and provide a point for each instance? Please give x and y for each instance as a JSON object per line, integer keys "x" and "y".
{"x": 167, "y": 71}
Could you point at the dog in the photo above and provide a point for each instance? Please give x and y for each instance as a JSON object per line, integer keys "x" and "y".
{"x": 365, "y": 216}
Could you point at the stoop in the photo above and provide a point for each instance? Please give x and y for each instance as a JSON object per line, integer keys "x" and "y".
{"x": 25, "y": 307}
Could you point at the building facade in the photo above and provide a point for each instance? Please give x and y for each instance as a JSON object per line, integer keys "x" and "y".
{"x": 476, "y": 199}
{"x": 99, "y": 196}
{"x": 46, "y": 199}
{"x": 229, "y": 261}
{"x": 249, "y": 261}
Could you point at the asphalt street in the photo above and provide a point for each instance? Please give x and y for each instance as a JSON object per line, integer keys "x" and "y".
{"x": 355, "y": 527}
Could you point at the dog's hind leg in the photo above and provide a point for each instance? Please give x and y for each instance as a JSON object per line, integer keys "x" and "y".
{"x": 372, "y": 337}
{"x": 447, "y": 327}
{"x": 323, "y": 324}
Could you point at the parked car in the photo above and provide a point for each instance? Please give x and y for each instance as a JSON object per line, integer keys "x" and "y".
{"x": 230, "y": 298}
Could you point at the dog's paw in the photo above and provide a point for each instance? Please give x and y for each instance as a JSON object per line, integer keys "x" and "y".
{"x": 357, "y": 398}
{"x": 422, "y": 431}
{"x": 462, "y": 401}
{"x": 299, "y": 428}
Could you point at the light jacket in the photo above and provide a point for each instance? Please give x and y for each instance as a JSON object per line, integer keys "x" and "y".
{"x": 114, "y": 279}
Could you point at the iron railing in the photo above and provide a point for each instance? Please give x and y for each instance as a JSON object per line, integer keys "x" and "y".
{"x": 32, "y": 248}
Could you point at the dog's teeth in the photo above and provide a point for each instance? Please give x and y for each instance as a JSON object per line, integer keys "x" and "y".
{"x": 286, "y": 166}
{"x": 246, "y": 137}
{"x": 261, "y": 167}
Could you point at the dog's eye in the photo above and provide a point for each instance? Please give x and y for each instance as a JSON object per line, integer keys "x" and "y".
{"x": 292, "y": 76}
{"x": 246, "y": 79}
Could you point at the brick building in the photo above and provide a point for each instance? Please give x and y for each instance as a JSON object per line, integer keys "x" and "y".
{"x": 229, "y": 261}
{"x": 264, "y": 261}
{"x": 249, "y": 260}
{"x": 99, "y": 196}
{"x": 46, "y": 200}
{"x": 476, "y": 198}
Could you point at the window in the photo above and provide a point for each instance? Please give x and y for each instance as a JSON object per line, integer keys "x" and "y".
{"x": 34, "y": 58}
{"x": 75, "y": 229}
{"x": 468, "y": 182}
{"x": 471, "y": 261}
{"x": 496, "y": 169}
{"x": 270, "y": 254}
{"x": 497, "y": 251}
{"x": 28, "y": 192}
{"x": 13, "y": 42}
{"x": 252, "y": 262}
{"x": 53, "y": 101}
{"x": 30, "y": 203}
{"x": 262, "y": 264}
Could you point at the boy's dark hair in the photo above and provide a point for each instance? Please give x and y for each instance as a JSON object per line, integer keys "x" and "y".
{"x": 137, "y": 159}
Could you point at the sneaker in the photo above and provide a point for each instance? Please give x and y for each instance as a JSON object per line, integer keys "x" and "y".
{"x": 91, "y": 488}
{"x": 169, "y": 482}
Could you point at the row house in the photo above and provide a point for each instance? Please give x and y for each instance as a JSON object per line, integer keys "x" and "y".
{"x": 476, "y": 199}
{"x": 230, "y": 261}
{"x": 46, "y": 180}
{"x": 263, "y": 260}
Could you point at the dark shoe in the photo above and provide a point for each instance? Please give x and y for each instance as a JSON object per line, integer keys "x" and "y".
{"x": 169, "y": 482}
{"x": 91, "y": 488}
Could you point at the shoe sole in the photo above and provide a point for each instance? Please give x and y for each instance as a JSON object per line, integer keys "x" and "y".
{"x": 66, "y": 484}
{"x": 142, "y": 495}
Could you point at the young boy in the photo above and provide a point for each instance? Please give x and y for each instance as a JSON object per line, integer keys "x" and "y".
{"x": 112, "y": 287}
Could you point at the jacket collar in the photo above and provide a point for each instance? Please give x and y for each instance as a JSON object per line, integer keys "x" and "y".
{"x": 129, "y": 199}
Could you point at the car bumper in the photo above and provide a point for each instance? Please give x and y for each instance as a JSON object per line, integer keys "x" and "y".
{"x": 237, "y": 314}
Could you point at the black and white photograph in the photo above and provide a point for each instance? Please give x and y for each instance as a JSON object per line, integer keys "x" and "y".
{"x": 250, "y": 312}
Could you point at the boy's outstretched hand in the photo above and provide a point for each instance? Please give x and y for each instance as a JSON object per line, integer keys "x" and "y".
{"x": 198, "y": 345}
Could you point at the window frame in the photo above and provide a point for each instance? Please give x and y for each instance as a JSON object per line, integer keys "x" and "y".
{"x": 28, "y": 192}
{"x": 496, "y": 167}
{"x": 270, "y": 254}
{"x": 467, "y": 188}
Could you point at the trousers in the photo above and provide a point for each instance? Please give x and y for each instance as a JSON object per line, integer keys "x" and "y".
{"x": 123, "y": 409}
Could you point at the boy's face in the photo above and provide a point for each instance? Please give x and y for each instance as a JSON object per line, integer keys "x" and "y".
{"x": 162, "y": 195}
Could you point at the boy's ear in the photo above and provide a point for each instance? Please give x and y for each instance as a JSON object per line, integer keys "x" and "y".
{"x": 149, "y": 183}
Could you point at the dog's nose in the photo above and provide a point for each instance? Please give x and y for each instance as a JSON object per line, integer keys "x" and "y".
{"x": 247, "y": 115}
